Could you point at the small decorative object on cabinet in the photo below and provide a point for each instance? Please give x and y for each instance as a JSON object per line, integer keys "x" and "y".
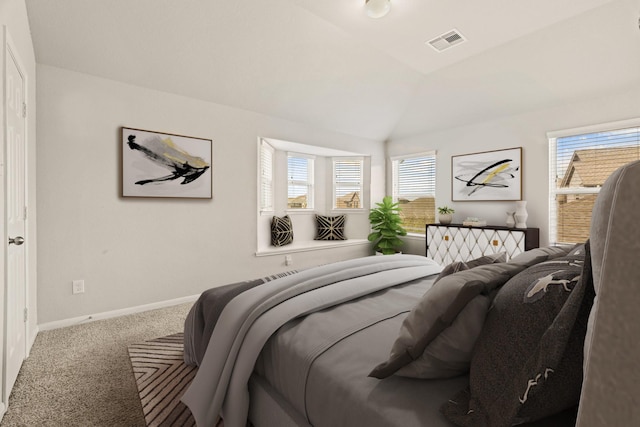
{"x": 445, "y": 214}
{"x": 474, "y": 222}
{"x": 511, "y": 219}
{"x": 456, "y": 242}
{"x": 521, "y": 214}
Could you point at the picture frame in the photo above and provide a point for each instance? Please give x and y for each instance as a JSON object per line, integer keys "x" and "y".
{"x": 166, "y": 165}
{"x": 487, "y": 176}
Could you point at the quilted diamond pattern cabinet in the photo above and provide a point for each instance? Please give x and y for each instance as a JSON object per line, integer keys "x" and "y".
{"x": 456, "y": 242}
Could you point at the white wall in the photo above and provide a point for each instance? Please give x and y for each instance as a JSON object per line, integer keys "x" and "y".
{"x": 138, "y": 251}
{"x": 13, "y": 15}
{"x": 524, "y": 130}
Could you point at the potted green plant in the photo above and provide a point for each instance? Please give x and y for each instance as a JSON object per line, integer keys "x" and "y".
{"x": 386, "y": 224}
{"x": 445, "y": 214}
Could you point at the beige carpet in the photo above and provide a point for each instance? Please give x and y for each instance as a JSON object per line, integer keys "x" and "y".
{"x": 81, "y": 375}
{"x": 162, "y": 378}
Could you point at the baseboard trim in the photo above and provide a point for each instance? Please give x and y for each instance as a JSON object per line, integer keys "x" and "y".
{"x": 114, "y": 313}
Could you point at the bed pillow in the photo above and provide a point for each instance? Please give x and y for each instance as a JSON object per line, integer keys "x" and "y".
{"x": 281, "y": 231}
{"x": 527, "y": 363}
{"x": 529, "y": 257}
{"x": 456, "y": 266}
{"x": 439, "y": 308}
{"x": 577, "y": 249}
{"x": 449, "y": 354}
{"x": 330, "y": 227}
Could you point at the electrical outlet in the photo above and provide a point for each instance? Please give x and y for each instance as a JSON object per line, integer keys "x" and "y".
{"x": 77, "y": 287}
{"x": 288, "y": 260}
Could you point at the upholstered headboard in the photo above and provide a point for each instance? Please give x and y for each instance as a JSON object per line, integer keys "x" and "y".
{"x": 611, "y": 388}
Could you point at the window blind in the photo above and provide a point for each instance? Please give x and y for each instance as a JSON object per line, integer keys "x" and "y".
{"x": 579, "y": 165}
{"x": 300, "y": 181}
{"x": 414, "y": 187}
{"x": 266, "y": 176}
{"x": 347, "y": 183}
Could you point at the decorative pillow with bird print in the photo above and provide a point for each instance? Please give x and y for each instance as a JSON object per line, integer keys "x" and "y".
{"x": 527, "y": 362}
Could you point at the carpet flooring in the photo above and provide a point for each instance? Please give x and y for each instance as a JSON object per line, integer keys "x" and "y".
{"x": 81, "y": 376}
{"x": 162, "y": 378}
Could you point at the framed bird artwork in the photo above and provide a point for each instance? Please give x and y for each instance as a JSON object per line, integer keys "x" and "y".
{"x": 156, "y": 164}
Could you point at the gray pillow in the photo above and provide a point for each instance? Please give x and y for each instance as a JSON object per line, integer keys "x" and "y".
{"x": 456, "y": 266}
{"x": 438, "y": 309}
{"x": 449, "y": 354}
{"x": 527, "y": 363}
{"x": 549, "y": 252}
{"x": 577, "y": 249}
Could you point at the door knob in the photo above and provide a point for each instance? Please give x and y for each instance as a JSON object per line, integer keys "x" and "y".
{"x": 16, "y": 240}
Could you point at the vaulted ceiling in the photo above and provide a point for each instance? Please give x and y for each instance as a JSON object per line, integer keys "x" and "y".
{"x": 324, "y": 63}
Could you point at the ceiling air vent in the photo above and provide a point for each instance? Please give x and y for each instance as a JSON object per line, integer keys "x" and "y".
{"x": 446, "y": 40}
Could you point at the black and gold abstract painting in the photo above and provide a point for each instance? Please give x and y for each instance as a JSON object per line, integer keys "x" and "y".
{"x": 158, "y": 164}
{"x": 488, "y": 176}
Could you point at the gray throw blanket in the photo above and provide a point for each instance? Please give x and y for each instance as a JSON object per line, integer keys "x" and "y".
{"x": 204, "y": 314}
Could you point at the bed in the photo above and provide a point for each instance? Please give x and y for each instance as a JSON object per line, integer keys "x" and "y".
{"x": 397, "y": 341}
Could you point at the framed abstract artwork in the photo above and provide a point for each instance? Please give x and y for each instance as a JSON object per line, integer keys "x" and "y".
{"x": 488, "y": 176}
{"x": 156, "y": 164}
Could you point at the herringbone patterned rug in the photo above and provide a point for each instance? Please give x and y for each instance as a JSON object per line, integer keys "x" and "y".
{"x": 162, "y": 378}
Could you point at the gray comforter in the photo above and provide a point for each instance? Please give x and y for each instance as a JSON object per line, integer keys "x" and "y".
{"x": 323, "y": 360}
{"x": 247, "y": 322}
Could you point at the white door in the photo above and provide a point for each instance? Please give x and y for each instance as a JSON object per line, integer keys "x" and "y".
{"x": 15, "y": 340}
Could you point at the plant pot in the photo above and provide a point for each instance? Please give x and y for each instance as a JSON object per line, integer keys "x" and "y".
{"x": 381, "y": 254}
{"x": 445, "y": 219}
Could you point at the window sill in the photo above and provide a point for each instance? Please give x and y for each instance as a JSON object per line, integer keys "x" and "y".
{"x": 300, "y": 211}
{"x": 414, "y": 236}
{"x": 348, "y": 211}
{"x": 312, "y": 245}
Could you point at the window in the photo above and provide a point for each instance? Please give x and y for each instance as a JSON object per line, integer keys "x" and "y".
{"x": 347, "y": 183}
{"x": 580, "y": 161}
{"x": 414, "y": 187}
{"x": 266, "y": 176}
{"x": 300, "y": 181}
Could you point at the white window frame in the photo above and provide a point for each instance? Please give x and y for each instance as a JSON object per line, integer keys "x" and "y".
{"x": 553, "y": 137}
{"x": 395, "y": 177}
{"x": 335, "y": 183}
{"x": 266, "y": 174}
{"x": 309, "y": 183}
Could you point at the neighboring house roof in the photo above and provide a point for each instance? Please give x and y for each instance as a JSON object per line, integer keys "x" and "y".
{"x": 591, "y": 167}
{"x": 300, "y": 201}
{"x": 349, "y": 200}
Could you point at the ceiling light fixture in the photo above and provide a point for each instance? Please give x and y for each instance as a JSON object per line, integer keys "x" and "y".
{"x": 377, "y": 8}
